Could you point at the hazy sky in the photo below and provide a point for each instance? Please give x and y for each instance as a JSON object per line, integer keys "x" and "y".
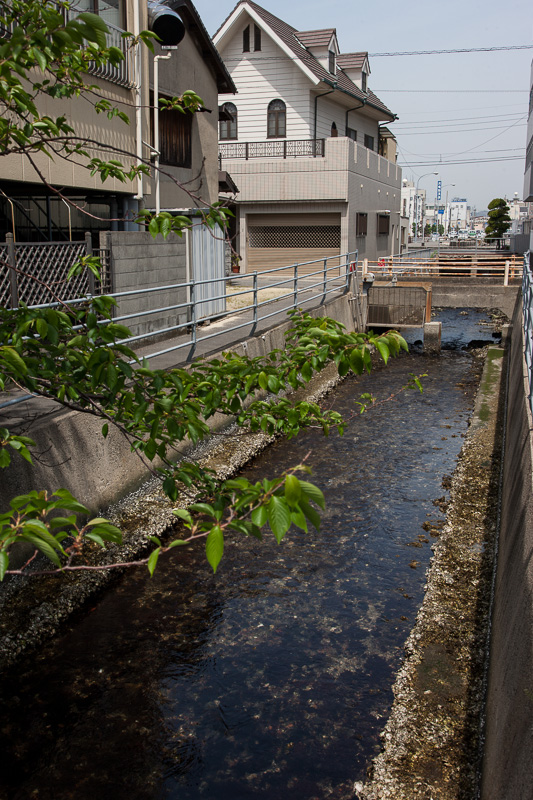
{"x": 453, "y": 107}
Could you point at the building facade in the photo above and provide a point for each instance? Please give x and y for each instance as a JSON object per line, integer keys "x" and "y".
{"x": 316, "y": 171}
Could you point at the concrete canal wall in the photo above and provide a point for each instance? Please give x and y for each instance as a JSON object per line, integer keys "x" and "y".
{"x": 73, "y": 454}
{"x": 508, "y": 764}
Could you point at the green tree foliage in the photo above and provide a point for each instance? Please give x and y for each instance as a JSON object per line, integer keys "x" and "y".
{"x": 499, "y": 219}
{"x": 74, "y": 353}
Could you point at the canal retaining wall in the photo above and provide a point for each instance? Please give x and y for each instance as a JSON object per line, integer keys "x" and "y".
{"x": 508, "y": 765}
{"x": 71, "y": 452}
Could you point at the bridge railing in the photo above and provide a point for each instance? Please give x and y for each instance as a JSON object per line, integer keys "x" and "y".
{"x": 448, "y": 266}
{"x": 527, "y": 307}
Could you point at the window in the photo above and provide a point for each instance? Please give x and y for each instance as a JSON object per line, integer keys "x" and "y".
{"x": 383, "y": 224}
{"x": 351, "y": 134}
{"x": 175, "y": 137}
{"x": 246, "y": 40}
{"x": 332, "y": 64}
{"x": 257, "y": 38}
{"x": 364, "y": 82}
{"x": 334, "y": 131}
{"x": 361, "y": 224}
{"x": 111, "y": 11}
{"x": 369, "y": 141}
{"x": 276, "y": 120}
{"x": 228, "y": 127}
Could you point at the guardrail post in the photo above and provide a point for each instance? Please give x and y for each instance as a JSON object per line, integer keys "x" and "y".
{"x": 506, "y": 274}
{"x": 11, "y": 257}
{"x": 325, "y": 280}
{"x": 295, "y": 285}
{"x": 193, "y": 322}
{"x": 254, "y": 326}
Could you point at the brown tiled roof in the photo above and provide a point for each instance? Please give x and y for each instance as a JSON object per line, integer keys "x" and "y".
{"x": 291, "y": 38}
{"x": 316, "y": 38}
{"x": 351, "y": 60}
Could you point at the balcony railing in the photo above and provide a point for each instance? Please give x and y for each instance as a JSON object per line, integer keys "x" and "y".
{"x": 121, "y": 74}
{"x": 274, "y": 148}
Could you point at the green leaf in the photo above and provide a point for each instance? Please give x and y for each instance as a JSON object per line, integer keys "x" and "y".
{"x": 312, "y": 515}
{"x": 314, "y": 493}
{"x": 293, "y": 490}
{"x": 152, "y": 561}
{"x": 4, "y": 563}
{"x": 383, "y": 350}
{"x": 214, "y": 546}
{"x": 279, "y": 517}
{"x": 13, "y": 360}
{"x": 183, "y": 514}
{"x": 260, "y": 516}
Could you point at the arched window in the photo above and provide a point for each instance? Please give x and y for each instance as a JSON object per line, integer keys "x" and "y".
{"x": 276, "y": 123}
{"x": 228, "y": 126}
{"x": 334, "y": 131}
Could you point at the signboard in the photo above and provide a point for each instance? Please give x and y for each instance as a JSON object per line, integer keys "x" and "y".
{"x": 441, "y": 211}
{"x": 439, "y": 190}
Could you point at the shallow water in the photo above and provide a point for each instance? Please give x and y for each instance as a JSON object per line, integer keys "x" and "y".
{"x": 273, "y": 678}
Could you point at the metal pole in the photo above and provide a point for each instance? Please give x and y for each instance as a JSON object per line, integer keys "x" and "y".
{"x": 295, "y": 284}
{"x": 11, "y": 257}
{"x": 157, "y": 59}
{"x": 325, "y": 280}
{"x": 193, "y": 322}
{"x": 254, "y": 326}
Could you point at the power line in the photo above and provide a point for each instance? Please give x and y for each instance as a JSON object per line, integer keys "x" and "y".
{"x": 455, "y": 130}
{"x": 454, "y": 91}
{"x": 426, "y": 121}
{"x": 461, "y": 50}
{"x": 463, "y": 161}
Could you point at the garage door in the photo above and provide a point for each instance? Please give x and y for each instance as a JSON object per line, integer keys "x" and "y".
{"x": 280, "y": 243}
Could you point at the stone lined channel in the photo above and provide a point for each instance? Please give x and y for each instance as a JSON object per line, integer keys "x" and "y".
{"x": 272, "y": 679}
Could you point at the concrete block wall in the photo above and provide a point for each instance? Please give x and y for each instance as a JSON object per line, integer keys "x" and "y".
{"x": 507, "y": 766}
{"x": 138, "y": 262}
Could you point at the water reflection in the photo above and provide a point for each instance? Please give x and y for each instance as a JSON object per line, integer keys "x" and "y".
{"x": 272, "y": 679}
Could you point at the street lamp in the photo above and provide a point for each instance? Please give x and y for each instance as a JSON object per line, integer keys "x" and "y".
{"x": 416, "y": 201}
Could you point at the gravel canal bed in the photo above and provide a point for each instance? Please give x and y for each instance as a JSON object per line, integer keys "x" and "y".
{"x": 433, "y": 739}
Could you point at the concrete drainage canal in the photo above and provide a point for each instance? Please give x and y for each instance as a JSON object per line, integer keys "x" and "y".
{"x": 274, "y": 678}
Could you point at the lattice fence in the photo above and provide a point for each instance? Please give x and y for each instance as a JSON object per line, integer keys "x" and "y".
{"x": 41, "y": 273}
{"x": 295, "y": 236}
{"x": 273, "y": 148}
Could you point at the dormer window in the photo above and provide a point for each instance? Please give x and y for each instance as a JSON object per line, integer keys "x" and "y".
{"x": 246, "y": 40}
{"x": 257, "y": 38}
{"x": 363, "y": 82}
{"x": 332, "y": 62}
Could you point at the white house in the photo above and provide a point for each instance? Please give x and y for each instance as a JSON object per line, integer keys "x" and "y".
{"x": 316, "y": 172}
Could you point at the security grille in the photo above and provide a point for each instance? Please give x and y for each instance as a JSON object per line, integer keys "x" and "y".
{"x": 5, "y": 282}
{"x": 307, "y": 236}
{"x": 41, "y": 273}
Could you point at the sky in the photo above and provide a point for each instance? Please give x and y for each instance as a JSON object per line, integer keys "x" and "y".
{"x": 469, "y": 107}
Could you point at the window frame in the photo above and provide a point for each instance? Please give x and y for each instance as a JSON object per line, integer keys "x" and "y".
{"x": 361, "y": 223}
{"x": 277, "y": 115}
{"x": 332, "y": 62}
{"x": 246, "y": 39}
{"x": 369, "y": 141}
{"x": 228, "y": 124}
{"x": 383, "y": 218}
{"x": 349, "y": 132}
{"x": 175, "y": 137}
{"x": 257, "y": 38}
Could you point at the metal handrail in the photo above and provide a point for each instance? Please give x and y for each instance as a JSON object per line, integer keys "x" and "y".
{"x": 527, "y": 312}
{"x": 314, "y": 285}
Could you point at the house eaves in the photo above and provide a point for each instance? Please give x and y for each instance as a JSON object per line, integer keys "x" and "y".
{"x": 197, "y": 31}
{"x": 280, "y": 32}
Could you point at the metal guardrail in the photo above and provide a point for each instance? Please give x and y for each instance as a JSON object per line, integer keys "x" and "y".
{"x": 121, "y": 74}
{"x": 273, "y": 148}
{"x": 334, "y": 275}
{"x": 527, "y": 311}
{"x": 448, "y": 265}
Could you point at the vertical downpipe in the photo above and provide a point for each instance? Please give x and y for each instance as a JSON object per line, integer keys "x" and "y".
{"x": 137, "y": 92}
